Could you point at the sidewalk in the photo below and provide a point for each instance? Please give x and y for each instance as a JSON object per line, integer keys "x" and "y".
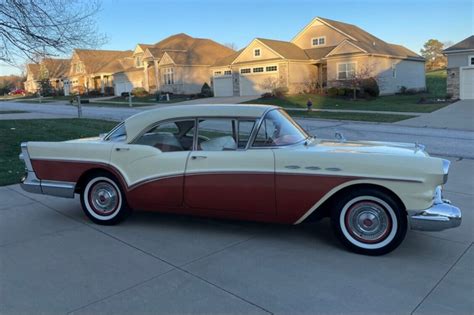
{"x": 353, "y": 111}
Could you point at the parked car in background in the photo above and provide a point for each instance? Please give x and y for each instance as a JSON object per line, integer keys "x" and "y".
{"x": 18, "y": 92}
{"x": 247, "y": 162}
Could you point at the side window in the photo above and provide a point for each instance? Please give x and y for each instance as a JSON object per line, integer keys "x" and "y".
{"x": 118, "y": 134}
{"x": 245, "y": 129}
{"x": 169, "y": 136}
{"x": 217, "y": 134}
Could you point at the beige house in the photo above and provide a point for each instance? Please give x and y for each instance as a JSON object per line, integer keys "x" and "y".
{"x": 54, "y": 70}
{"x": 178, "y": 64}
{"x": 460, "y": 82}
{"x": 92, "y": 70}
{"x": 325, "y": 53}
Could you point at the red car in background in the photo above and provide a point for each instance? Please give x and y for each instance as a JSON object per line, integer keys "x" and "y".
{"x": 17, "y": 92}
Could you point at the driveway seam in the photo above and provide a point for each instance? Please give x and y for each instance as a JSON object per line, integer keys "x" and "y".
{"x": 176, "y": 267}
{"x": 440, "y": 280}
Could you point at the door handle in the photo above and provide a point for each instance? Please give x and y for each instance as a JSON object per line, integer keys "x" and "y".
{"x": 122, "y": 149}
{"x": 195, "y": 157}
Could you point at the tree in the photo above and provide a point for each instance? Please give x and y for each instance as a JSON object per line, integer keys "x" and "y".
{"x": 34, "y": 29}
{"x": 232, "y": 46}
{"x": 432, "y": 51}
{"x": 361, "y": 76}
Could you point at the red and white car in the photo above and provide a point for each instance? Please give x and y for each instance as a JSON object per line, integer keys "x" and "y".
{"x": 247, "y": 162}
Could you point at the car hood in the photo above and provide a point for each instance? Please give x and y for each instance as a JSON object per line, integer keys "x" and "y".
{"x": 368, "y": 147}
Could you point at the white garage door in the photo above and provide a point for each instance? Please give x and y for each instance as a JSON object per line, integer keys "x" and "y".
{"x": 255, "y": 85}
{"x": 223, "y": 86}
{"x": 121, "y": 87}
{"x": 467, "y": 84}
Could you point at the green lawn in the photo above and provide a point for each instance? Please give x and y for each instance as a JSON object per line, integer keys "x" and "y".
{"x": 13, "y": 132}
{"x": 436, "y": 86}
{"x": 388, "y": 118}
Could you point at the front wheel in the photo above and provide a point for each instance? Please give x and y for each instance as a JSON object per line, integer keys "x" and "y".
{"x": 103, "y": 201}
{"x": 369, "y": 221}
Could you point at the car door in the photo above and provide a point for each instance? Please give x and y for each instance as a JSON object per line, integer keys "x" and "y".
{"x": 222, "y": 175}
{"x": 153, "y": 165}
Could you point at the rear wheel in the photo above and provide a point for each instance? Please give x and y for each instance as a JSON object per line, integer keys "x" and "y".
{"x": 369, "y": 221}
{"x": 103, "y": 200}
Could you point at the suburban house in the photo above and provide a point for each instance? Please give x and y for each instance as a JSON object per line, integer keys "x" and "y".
{"x": 53, "y": 70}
{"x": 92, "y": 70}
{"x": 460, "y": 81}
{"x": 325, "y": 53}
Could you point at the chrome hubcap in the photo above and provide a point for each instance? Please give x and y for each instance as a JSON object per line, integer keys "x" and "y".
{"x": 368, "y": 222}
{"x": 104, "y": 198}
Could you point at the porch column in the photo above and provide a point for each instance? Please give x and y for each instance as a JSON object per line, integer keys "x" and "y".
{"x": 146, "y": 84}
{"x": 102, "y": 88}
{"x": 157, "y": 77}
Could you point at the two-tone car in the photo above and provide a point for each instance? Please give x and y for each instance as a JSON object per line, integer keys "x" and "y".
{"x": 247, "y": 162}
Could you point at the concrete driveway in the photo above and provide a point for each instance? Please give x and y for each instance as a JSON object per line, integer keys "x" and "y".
{"x": 459, "y": 115}
{"x": 53, "y": 260}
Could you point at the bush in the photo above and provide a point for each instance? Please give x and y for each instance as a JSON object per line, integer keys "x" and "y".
{"x": 266, "y": 95}
{"x": 139, "y": 92}
{"x": 280, "y": 92}
{"x": 206, "y": 91}
{"x": 109, "y": 90}
{"x": 370, "y": 87}
{"x": 332, "y": 91}
{"x": 403, "y": 89}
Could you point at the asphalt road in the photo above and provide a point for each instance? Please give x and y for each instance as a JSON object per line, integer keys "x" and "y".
{"x": 53, "y": 260}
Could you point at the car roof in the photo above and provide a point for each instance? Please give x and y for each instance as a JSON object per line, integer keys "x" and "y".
{"x": 135, "y": 124}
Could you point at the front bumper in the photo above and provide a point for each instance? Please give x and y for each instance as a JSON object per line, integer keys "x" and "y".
{"x": 441, "y": 216}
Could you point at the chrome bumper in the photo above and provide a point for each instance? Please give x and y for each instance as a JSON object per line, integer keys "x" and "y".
{"x": 441, "y": 216}
{"x": 32, "y": 184}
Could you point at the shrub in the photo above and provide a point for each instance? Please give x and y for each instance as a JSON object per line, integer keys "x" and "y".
{"x": 280, "y": 92}
{"x": 109, "y": 90}
{"x": 403, "y": 89}
{"x": 332, "y": 91}
{"x": 267, "y": 95}
{"x": 370, "y": 87}
{"x": 206, "y": 91}
{"x": 139, "y": 92}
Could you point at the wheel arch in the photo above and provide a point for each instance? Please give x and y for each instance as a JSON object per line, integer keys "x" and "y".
{"x": 88, "y": 174}
{"x": 324, "y": 209}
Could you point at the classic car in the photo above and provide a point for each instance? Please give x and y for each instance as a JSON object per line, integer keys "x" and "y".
{"x": 247, "y": 162}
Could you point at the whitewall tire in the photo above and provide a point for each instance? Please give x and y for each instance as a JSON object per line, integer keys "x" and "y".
{"x": 369, "y": 221}
{"x": 103, "y": 200}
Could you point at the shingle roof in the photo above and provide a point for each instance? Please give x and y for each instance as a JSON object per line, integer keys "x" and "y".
{"x": 465, "y": 44}
{"x": 370, "y": 43}
{"x": 57, "y": 68}
{"x": 120, "y": 65}
{"x": 96, "y": 60}
{"x": 285, "y": 49}
{"x": 187, "y": 50}
{"x": 319, "y": 52}
{"x": 227, "y": 60}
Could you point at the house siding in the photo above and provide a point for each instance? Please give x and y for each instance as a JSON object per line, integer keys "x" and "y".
{"x": 301, "y": 76}
{"x": 459, "y": 60}
{"x": 333, "y": 37}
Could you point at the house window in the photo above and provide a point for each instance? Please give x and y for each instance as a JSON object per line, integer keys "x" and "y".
{"x": 138, "y": 61}
{"x": 394, "y": 70}
{"x": 245, "y": 70}
{"x": 346, "y": 71}
{"x": 271, "y": 68}
{"x": 78, "y": 67}
{"x": 168, "y": 76}
{"x": 318, "y": 41}
{"x": 257, "y": 52}
{"x": 217, "y": 73}
{"x": 471, "y": 61}
{"x": 257, "y": 70}
{"x": 227, "y": 72}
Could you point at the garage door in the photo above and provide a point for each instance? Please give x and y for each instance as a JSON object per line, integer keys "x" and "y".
{"x": 121, "y": 87}
{"x": 467, "y": 83}
{"x": 223, "y": 86}
{"x": 255, "y": 85}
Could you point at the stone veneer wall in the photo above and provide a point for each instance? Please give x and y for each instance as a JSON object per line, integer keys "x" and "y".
{"x": 453, "y": 83}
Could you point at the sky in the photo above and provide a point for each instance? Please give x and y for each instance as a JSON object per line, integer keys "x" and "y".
{"x": 405, "y": 22}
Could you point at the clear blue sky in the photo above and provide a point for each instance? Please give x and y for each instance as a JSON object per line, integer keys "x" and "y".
{"x": 405, "y": 22}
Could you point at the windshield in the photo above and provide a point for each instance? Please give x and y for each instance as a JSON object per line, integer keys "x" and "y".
{"x": 118, "y": 134}
{"x": 279, "y": 129}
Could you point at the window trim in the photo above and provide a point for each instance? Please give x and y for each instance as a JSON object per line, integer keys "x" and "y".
{"x": 394, "y": 70}
{"x": 259, "y": 52}
{"x": 469, "y": 59}
{"x": 264, "y": 66}
{"x": 318, "y": 44}
{"x": 341, "y": 63}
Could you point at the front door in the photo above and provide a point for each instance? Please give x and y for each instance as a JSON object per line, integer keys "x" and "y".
{"x": 222, "y": 175}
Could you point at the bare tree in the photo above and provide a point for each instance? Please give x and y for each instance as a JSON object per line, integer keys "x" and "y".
{"x": 363, "y": 73}
{"x": 34, "y": 29}
{"x": 232, "y": 46}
